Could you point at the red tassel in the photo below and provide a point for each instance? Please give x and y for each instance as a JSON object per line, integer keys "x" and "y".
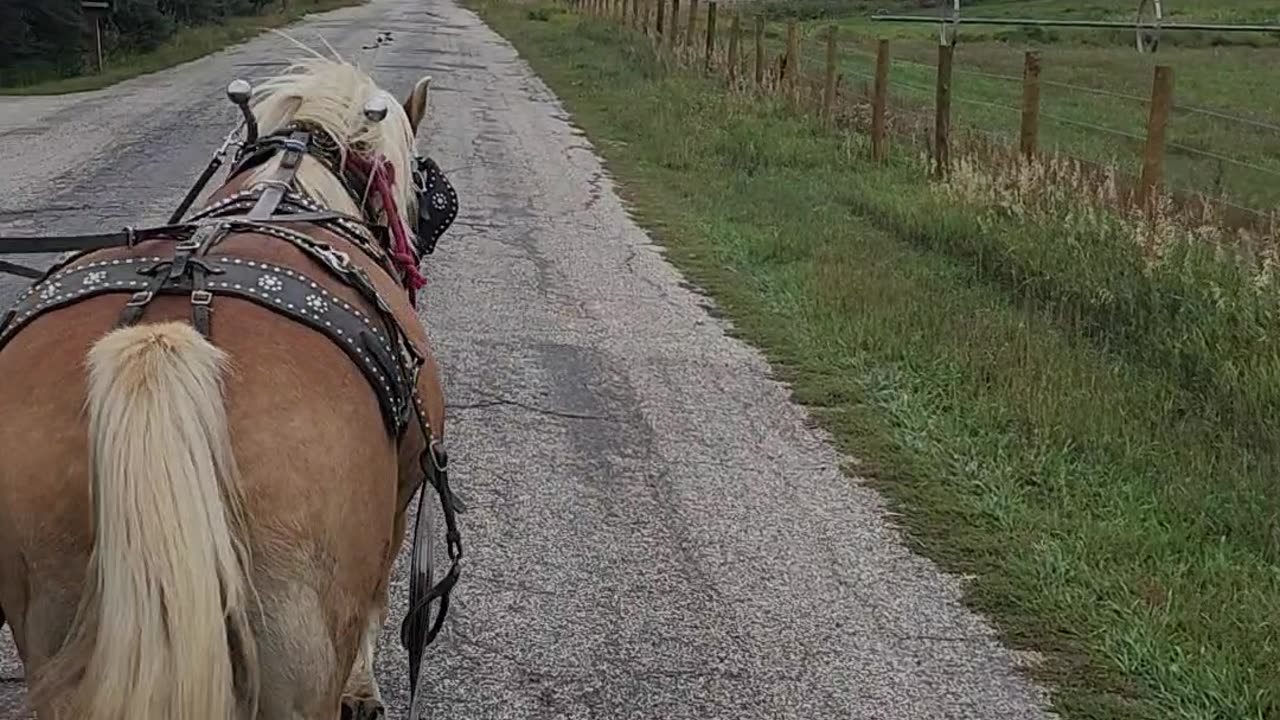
{"x": 382, "y": 177}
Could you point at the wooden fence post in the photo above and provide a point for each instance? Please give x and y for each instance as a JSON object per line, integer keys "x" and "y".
{"x": 691, "y": 35}
{"x": 829, "y": 88}
{"x": 674, "y": 32}
{"x": 879, "y": 102}
{"x": 1030, "y": 131}
{"x": 942, "y": 116}
{"x": 1157, "y": 124}
{"x": 790, "y": 59}
{"x": 735, "y": 30}
{"x": 759, "y": 50}
{"x": 711, "y": 35}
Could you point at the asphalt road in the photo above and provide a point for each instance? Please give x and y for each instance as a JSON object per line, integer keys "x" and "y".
{"x": 655, "y": 530}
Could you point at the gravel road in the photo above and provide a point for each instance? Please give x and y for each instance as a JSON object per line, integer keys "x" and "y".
{"x": 655, "y": 530}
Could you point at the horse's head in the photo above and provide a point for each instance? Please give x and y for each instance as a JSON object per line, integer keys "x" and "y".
{"x": 362, "y": 159}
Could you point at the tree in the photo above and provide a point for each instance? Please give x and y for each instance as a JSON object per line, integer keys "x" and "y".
{"x": 44, "y": 38}
{"x": 40, "y": 33}
{"x": 140, "y": 24}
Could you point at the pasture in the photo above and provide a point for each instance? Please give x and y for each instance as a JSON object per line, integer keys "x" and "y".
{"x": 1070, "y": 402}
{"x": 1224, "y": 133}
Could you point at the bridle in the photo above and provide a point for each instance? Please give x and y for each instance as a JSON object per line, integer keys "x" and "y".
{"x": 364, "y": 179}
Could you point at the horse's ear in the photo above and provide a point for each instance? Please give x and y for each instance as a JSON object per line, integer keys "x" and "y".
{"x": 415, "y": 106}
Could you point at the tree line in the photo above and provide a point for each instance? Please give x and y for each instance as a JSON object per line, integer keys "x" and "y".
{"x": 48, "y": 37}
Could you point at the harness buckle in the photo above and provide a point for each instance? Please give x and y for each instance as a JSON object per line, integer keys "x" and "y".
{"x": 201, "y": 297}
{"x": 140, "y": 298}
{"x": 272, "y": 184}
{"x": 439, "y": 456}
{"x": 341, "y": 261}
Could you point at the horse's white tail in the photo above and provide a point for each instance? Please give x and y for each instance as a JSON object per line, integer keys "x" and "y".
{"x": 162, "y": 630}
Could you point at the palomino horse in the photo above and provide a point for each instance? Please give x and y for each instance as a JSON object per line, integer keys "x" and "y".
{"x": 211, "y": 431}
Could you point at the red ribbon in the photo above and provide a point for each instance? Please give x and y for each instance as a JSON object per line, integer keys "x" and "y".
{"x": 381, "y": 175}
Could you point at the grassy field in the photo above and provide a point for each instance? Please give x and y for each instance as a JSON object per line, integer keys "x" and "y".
{"x": 186, "y": 45}
{"x": 1074, "y": 407}
{"x": 1227, "y": 74}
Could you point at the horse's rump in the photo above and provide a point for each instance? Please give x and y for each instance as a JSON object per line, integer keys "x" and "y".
{"x": 317, "y": 467}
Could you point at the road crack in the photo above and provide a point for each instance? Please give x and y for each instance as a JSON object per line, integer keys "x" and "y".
{"x": 506, "y": 402}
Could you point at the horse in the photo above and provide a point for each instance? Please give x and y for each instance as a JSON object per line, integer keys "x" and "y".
{"x": 211, "y": 431}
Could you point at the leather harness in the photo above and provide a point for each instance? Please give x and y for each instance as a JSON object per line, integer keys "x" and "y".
{"x": 375, "y": 343}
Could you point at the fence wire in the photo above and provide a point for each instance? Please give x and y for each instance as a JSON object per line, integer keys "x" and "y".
{"x": 1085, "y": 89}
{"x": 812, "y": 46}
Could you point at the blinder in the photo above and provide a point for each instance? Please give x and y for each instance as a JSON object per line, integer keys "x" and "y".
{"x": 437, "y": 199}
{"x": 437, "y": 204}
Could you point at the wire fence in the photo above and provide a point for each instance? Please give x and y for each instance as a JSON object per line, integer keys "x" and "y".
{"x": 1189, "y": 145}
{"x": 1082, "y": 111}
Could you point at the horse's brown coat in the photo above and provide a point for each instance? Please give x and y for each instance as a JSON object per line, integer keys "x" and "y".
{"x": 325, "y": 486}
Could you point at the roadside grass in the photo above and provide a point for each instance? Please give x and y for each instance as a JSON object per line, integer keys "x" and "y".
{"x": 1259, "y": 12}
{"x": 185, "y": 45}
{"x": 1026, "y": 387}
{"x": 1228, "y": 74}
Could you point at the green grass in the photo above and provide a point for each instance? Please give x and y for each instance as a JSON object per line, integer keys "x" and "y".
{"x": 1085, "y": 429}
{"x": 1253, "y": 12}
{"x": 1231, "y": 74}
{"x": 185, "y": 45}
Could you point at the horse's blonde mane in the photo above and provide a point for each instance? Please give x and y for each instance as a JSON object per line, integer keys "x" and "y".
{"x": 331, "y": 95}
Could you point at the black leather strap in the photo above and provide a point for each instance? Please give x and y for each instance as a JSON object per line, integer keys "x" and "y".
{"x": 295, "y": 148}
{"x": 92, "y": 241}
{"x": 417, "y": 631}
{"x": 370, "y": 344}
{"x": 20, "y": 270}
